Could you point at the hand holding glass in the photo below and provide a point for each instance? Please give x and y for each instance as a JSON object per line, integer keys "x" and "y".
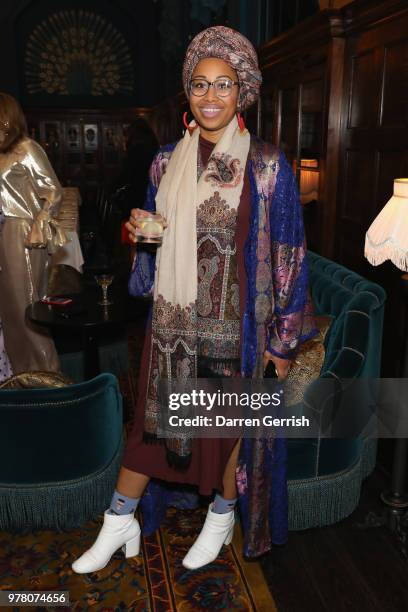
{"x": 146, "y": 227}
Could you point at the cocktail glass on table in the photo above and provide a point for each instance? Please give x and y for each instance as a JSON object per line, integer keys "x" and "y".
{"x": 104, "y": 281}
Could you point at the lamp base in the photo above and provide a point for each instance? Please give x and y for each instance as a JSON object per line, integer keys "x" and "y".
{"x": 395, "y": 519}
{"x": 395, "y": 515}
{"x": 395, "y": 501}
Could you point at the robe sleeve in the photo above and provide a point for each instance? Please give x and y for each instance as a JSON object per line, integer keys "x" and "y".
{"x": 143, "y": 270}
{"x": 142, "y": 275}
{"x": 292, "y": 321}
{"x": 47, "y": 185}
{"x": 45, "y": 230}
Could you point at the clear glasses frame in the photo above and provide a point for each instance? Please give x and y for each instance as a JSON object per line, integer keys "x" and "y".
{"x": 222, "y": 87}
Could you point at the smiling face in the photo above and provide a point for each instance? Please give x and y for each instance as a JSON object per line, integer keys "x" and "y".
{"x": 211, "y": 112}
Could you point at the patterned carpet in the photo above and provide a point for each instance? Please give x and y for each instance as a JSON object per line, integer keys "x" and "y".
{"x": 154, "y": 581}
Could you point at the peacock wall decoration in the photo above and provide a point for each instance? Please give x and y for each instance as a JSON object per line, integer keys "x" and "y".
{"x": 78, "y": 52}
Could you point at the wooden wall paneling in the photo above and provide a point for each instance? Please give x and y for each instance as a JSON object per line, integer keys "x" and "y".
{"x": 360, "y": 169}
{"x": 394, "y": 110}
{"x": 331, "y": 145}
{"x": 307, "y": 55}
{"x": 374, "y": 126}
{"x": 306, "y": 43}
{"x": 364, "y": 15}
{"x": 270, "y": 124}
{"x": 374, "y": 146}
{"x": 289, "y": 102}
{"x": 362, "y": 111}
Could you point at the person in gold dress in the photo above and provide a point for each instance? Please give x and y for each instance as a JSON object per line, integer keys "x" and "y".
{"x": 29, "y": 196}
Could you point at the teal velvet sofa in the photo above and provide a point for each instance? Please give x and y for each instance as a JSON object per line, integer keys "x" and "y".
{"x": 325, "y": 475}
{"x": 60, "y": 452}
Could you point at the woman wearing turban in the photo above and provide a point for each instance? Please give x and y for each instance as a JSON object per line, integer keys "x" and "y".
{"x": 230, "y": 294}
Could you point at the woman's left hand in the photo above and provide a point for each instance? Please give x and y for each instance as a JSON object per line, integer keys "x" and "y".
{"x": 282, "y": 365}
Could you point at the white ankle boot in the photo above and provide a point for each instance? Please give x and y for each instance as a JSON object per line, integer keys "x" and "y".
{"x": 121, "y": 530}
{"x": 218, "y": 529}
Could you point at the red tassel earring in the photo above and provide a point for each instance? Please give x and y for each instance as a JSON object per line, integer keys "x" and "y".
{"x": 185, "y": 123}
{"x": 241, "y": 122}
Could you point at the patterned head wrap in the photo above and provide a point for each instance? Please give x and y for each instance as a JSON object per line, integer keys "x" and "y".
{"x": 236, "y": 50}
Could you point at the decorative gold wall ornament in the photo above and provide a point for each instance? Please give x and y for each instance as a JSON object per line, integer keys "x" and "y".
{"x": 78, "y": 52}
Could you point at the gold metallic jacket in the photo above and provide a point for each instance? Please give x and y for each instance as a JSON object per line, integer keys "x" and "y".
{"x": 30, "y": 190}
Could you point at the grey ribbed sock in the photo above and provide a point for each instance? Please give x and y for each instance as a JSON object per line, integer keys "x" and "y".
{"x": 222, "y": 505}
{"x": 120, "y": 504}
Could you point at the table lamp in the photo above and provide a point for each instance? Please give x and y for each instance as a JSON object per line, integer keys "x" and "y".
{"x": 387, "y": 239}
{"x": 309, "y": 180}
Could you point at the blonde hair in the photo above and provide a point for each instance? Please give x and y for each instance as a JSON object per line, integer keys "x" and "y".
{"x": 11, "y": 112}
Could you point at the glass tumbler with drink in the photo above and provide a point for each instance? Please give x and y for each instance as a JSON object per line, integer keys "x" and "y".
{"x": 149, "y": 227}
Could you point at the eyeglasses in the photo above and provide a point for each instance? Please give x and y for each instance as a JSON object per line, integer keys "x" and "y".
{"x": 222, "y": 87}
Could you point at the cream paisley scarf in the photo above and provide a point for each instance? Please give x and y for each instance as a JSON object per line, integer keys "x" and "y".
{"x": 174, "y": 320}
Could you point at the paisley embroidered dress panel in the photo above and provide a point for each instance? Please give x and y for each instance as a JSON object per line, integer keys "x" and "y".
{"x": 218, "y": 316}
{"x": 195, "y": 283}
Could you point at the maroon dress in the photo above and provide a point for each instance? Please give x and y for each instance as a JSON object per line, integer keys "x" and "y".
{"x": 209, "y": 455}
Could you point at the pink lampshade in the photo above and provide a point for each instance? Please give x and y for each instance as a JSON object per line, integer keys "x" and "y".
{"x": 387, "y": 236}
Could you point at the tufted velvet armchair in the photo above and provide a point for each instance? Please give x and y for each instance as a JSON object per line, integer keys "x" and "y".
{"x": 325, "y": 475}
{"x": 60, "y": 452}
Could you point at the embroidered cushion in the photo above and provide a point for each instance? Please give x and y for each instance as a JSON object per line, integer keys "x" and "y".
{"x": 36, "y": 380}
{"x": 308, "y": 363}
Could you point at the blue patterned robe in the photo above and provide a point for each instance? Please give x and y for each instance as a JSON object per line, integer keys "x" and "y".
{"x": 278, "y": 317}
